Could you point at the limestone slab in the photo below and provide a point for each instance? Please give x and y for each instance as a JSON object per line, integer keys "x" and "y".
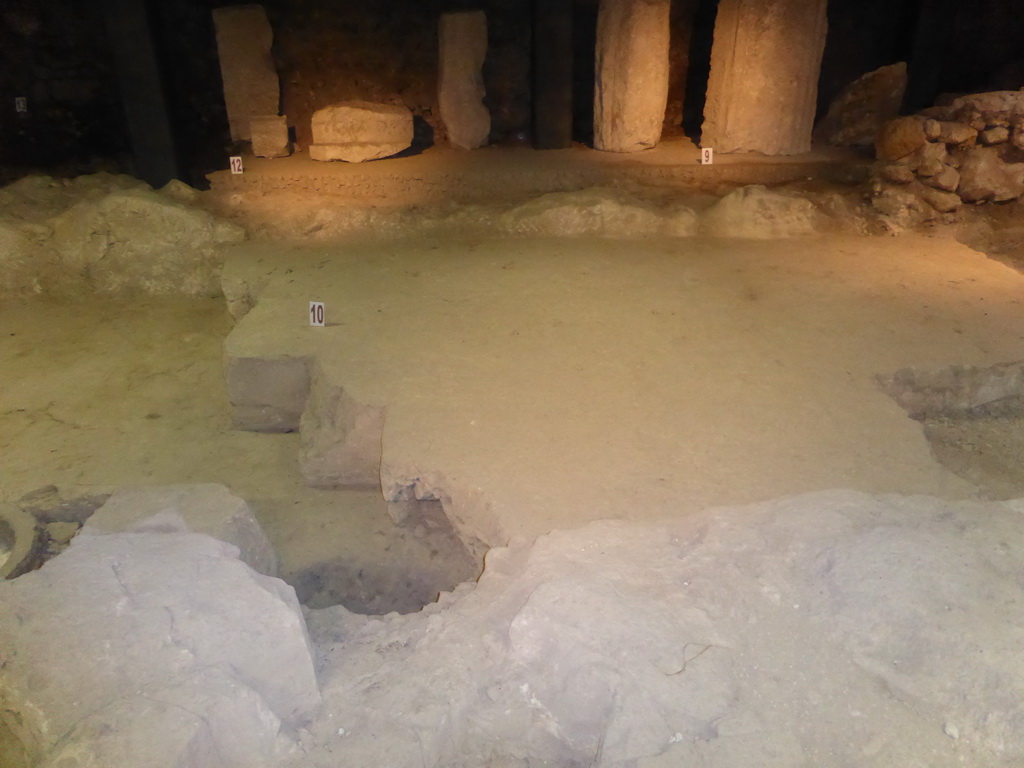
{"x": 357, "y": 131}
{"x": 763, "y": 87}
{"x": 251, "y": 86}
{"x": 632, "y": 68}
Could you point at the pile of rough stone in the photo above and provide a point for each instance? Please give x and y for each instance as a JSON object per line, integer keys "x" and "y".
{"x": 111, "y": 234}
{"x": 971, "y": 151}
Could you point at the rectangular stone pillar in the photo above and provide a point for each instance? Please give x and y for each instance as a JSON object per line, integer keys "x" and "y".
{"x": 463, "y": 48}
{"x": 251, "y": 87}
{"x": 763, "y": 87}
{"x": 631, "y": 88}
{"x": 552, "y": 74}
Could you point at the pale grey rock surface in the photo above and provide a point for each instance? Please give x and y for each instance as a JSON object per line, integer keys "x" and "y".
{"x": 756, "y": 212}
{"x": 632, "y": 71}
{"x": 864, "y": 106}
{"x": 210, "y": 509}
{"x": 828, "y": 629}
{"x": 180, "y": 655}
{"x": 357, "y": 131}
{"x": 462, "y": 43}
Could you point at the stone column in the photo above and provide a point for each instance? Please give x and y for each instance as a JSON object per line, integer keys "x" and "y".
{"x": 631, "y": 88}
{"x": 552, "y": 74}
{"x": 763, "y": 87}
{"x": 251, "y": 87}
{"x": 463, "y": 47}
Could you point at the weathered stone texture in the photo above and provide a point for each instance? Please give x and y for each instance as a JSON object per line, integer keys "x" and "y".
{"x": 632, "y": 74}
{"x": 269, "y": 136}
{"x": 251, "y": 86}
{"x": 357, "y": 131}
{"x": 463, "y": 47}
{"x": 765, "y": 63}
{"x": 898, "y": 138}
{"x": 864, "y": 106}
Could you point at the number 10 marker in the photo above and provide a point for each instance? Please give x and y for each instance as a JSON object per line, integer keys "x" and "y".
{"x": 316, "y": 313}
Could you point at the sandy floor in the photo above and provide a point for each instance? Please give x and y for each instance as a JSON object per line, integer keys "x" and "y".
{"x": 100, "y": 393}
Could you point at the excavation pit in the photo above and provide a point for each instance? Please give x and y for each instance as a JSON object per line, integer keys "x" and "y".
{"x": 422, "y": 558}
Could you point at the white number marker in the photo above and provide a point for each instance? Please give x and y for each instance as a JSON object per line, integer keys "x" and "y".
{"x": 236, "y": 164}
{"x": 20, "y": 104}
{"x": 316, "y": 313}
{"x": 707, "y": 156}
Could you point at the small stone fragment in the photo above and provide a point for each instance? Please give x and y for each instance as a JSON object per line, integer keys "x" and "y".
{"x": 897, "y": 173}
{"x": 948, "y": 179}
{"x": 930, "y": 167}
{"x": 957, "y": 133}
{"x": 932, "y": 129}
{"x": 996, "y": 135}
{"x": 941, "y": 201}
{"x": 62, "y": 533}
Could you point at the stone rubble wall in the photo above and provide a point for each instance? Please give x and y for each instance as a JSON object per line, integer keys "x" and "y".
{"x": 969, "y": 152}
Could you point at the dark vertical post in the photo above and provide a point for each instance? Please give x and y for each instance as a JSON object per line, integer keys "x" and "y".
{"x": 552, "y": 73}
{"x": 935, "y": 22}
{"x": 142, "y": 91}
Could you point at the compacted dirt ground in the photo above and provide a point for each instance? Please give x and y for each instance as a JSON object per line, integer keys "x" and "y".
{"x": 103, "y": 392}
{"x": 100, "y": 392}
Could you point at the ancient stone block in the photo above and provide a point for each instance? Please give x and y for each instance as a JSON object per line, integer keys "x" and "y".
{"x": 765, "y": 62}
{"x": 985, "y": 177}
{"x": 269, "y": 136}
{"x": 356, "y": 131}
{"x": 251, "y": 87}
{"x": 463, "y": 47}
{"x": 864, "y": 106}
{"x": 898, "y": 138}
{"x": 632, "y": 74}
